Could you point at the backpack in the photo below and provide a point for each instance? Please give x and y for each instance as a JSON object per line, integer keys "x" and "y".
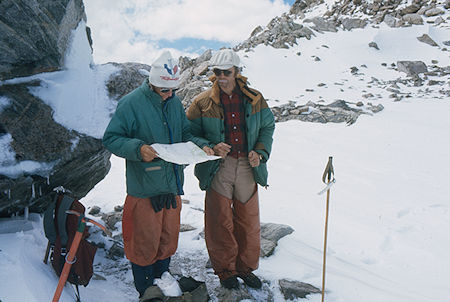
{"x": 60, "y": 229}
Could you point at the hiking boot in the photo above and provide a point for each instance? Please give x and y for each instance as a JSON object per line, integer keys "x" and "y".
{"x": 251, "y": 280}
{"x": 230, "y": 282}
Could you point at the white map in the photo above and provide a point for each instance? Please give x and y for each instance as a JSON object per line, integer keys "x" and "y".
{"x": 182, "y": 153}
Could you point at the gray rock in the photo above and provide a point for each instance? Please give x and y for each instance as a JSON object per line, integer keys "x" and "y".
{"x": 79, "y": 161}
{"x": 434, "y": 12}
{"x": 186, "y": 227}
{"x": 34, "y": 35}
{"x": 235, "y": 295}
{"x": 274, "y": 232}
{"x": 411, "y": 9}
{"x": 390, "y": 20}
{"x": 95, "y": 210}
{"x": 412, "y": 67}
{"x": 267, "y": 248}
{"x": 374, "y": 45}
{"x": 351, "y": 23}
{"x": 111, "y": 219}
{"x": 116, "y": 251}
{"x": 295, "y": 289}
{"x": 128, "y": 77}
{"x": 439, "y": 20}
{"x": 321, "y": 24}
{"x": 426, "y": 39}
{"x": 201, "y": 69}
{"x": 413, "y": 19}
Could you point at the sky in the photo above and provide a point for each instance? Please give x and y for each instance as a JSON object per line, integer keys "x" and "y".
{"x": 137, "y": 31}
{"x": 388, "y": 220}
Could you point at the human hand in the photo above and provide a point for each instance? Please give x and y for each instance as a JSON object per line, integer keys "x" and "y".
{"x": 163, "y": 201}
{"x": 148, "y": 153}
{"x": 156, "y": 203}
{"x": 254, "y": 159}
{"x": 208, "y": 150}
{"x": 222, "y": 149}
{"x": 169, "y": 200}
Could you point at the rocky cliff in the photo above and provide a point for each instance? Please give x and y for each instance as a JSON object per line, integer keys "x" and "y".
{"x": 37, "y": 153}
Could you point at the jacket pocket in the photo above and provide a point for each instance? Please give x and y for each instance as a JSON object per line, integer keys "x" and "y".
{"x": 154, "y": 176}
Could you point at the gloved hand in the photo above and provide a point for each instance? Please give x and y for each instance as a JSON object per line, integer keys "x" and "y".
{"x": 169, "y": 200}
{"x": 156, "y": 203}
{"x": 164, "y": 200}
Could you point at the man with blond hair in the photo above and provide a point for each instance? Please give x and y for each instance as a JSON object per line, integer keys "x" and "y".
{"x": 235, "y": 122}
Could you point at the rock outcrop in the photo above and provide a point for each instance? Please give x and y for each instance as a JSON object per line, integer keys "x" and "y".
{"x": 57, "y": 156}
{"x": 34, "y": 34}
{"x": 39, "y": 154}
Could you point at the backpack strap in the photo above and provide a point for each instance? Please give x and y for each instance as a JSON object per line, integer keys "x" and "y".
{"x": 65, "y": 205}
{"x": 49, "y": 221}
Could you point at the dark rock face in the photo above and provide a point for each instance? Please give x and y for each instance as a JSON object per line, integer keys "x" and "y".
{"x": 41, "y": 154}
{"x": 129, "y": 77}
{"x": 79, "y": 161}
{"x": 34, "y": 34}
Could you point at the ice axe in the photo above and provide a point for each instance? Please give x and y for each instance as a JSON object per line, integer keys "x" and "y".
{"x": 70, "y": 258}
{"x": 329, "y": 180}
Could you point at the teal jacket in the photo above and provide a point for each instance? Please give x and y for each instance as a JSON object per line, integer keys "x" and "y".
{"x": 142, "y": 117}
{"x": 207, "y": 125}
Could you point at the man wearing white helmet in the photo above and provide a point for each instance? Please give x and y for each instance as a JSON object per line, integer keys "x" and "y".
{"x": 236, "y": 122}
{"x": 151, "y": 215}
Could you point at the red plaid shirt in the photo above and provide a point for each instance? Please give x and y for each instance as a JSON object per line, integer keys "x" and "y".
{"x": 234, "y": 116}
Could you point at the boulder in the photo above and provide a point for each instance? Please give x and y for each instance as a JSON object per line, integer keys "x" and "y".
{"x": 427, "y": 39}
{"x": 38, "y": 153}
{"x": 128, "y": 77}
{"x": 412, "y": 68}
{"x": 34, "y": 35}
{"x": 57, "y": 156}
{"x": 413, "y": 19}
{"x": 294, "y": 289}
{"x": 351, "y": 23}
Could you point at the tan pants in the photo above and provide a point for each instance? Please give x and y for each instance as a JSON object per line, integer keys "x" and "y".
{"x": 234, "y": 180}
{"x": 232, "y": 227}
{"x": 149, "y": 236}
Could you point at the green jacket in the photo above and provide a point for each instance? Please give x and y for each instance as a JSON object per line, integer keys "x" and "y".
{"x": 207, "y": 125}
{"x": 138, "y": 120}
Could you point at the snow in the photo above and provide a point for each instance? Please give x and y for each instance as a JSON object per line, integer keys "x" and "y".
{"x": 388, "y": 218}
{"x": 78, "y": 93}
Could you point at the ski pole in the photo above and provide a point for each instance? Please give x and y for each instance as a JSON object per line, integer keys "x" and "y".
{"x": 73, "y": 250}
{"x": 327, "y": 174}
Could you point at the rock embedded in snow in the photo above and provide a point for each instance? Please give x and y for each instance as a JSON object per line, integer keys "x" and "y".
{"x": 433, "y": 12}
{"x": 374, "y": 45}
{"x": 76, "y": 161}
{"x": 412, "y": 67}
{"x": 296, "y": 289}
{"x": 351, "y": 23}
{"x": 413, "y": 19}
{"x": 427, "y": 40}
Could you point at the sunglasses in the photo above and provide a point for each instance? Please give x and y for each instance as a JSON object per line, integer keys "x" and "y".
{"x": 166, "y": 90}
{"x": 226, "y": 73}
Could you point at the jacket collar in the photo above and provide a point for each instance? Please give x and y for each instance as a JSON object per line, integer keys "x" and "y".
{"x": 153, "y": 96}
{"x": 252, "y": 95}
